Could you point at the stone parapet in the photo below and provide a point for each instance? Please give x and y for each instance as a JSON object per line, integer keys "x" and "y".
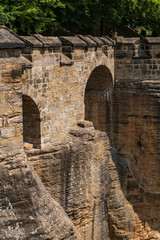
{"x": 10, "y": 39}
{"x": 125, "y": 47}
{"x": 138, "y": 48}
{"x": 153, "y": 40}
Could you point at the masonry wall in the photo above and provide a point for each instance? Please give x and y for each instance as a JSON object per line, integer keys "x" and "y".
{"x": 10, "y": 102}
{"x": 58, "y": 88}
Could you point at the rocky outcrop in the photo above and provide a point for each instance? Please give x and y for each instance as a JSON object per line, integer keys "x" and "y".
{"x": 134, "y": 132}
{"x": 133, "y": 213}
{"x": 135, "y": 195}
{"x": 27, "y": 210}
{"x": 76, "y": 175}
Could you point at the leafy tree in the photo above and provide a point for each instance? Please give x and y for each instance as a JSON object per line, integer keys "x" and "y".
{"x": 144, "y": 14}
{"x": 27, "y": 16}
{"x": 79, "y": 16}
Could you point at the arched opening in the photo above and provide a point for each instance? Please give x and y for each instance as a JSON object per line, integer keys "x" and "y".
{"x": 31, "y": 122}
{"x": 97, "y": 98}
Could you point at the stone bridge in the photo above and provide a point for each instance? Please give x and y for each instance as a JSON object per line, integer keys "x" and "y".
{"x": 53, "y": 160}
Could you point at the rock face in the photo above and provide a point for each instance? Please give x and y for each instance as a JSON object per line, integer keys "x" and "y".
{"x": 27, "y": 210}
{"x": 134, "y": 132}
{"x": 133, "y": 213}
{"x": 76, "y": 175}
{"x": 135, "y": 195}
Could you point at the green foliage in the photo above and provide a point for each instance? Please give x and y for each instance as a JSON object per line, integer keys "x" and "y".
{"x": 86, "y": 15}
{"x": 79, "y": 16}
{"x": 91, "y": 15}
{"x": 144, "y": 14}
{"x": 27, "y": 16}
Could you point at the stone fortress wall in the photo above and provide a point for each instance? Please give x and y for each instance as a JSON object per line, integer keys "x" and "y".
{"x": 56, "y": 169}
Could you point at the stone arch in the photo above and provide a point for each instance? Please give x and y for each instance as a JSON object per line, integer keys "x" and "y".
{"x": 97, "y": 97}
{"x": 31, "y": 122}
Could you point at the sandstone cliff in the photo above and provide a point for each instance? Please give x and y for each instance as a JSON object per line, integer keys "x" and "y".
{"x": 27, "y": 210}
{"x": 134, "y": 209}
{"x": 76, "y": 175}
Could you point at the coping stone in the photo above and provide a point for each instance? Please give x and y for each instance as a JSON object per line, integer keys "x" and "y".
{"x": 128, "y": 41}
{"x": 48, "y": 41}
{"x": 9, "y": 39}
{"x": 107, "y": 40}
{"x": 152, "y": 40}
{"x": 32, "y": 41}
{"x": 96, "y": 40}
{"x": 73, "y": 41}
{"x": 88, "y": 40}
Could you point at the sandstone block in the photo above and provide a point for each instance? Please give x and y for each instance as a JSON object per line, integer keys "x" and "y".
{"x": 17, "y": 119}
{"x": 8, "y": 132}
{"x": 1, "y": 122}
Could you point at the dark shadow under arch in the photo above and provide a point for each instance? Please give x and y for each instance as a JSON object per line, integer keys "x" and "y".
{"x": 97, "y": 98}
{"x": 31, "y": 122}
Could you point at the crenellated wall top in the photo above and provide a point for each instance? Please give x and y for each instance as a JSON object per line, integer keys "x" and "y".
{"x": 120, "y": 40}
{"x": 11, "y": 40}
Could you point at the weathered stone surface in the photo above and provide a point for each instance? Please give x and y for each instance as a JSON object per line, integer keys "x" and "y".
{"x": 27, "y": 211}
{"x": 56, "y": 79}
{"x": 76, "y": 175}
{"x": 32, "y": 41}
{"x": 9, "y": 39}
{"x": 8, "y": 132}
{"x": 107, "y": 40}
{"x": 88, "y": 40}
{"x": 133, "y": 212}
{"x": 1, "y": 122}
{"x": 72, "y": 41}
{"x": 96, "y": 40}
{"x": 134, "y": 132}
{"x": 49, "y": 41}
{"x": 15, "y": 119}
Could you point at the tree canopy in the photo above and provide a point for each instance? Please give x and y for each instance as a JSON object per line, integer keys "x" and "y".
{"x": 82, "y": 16}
